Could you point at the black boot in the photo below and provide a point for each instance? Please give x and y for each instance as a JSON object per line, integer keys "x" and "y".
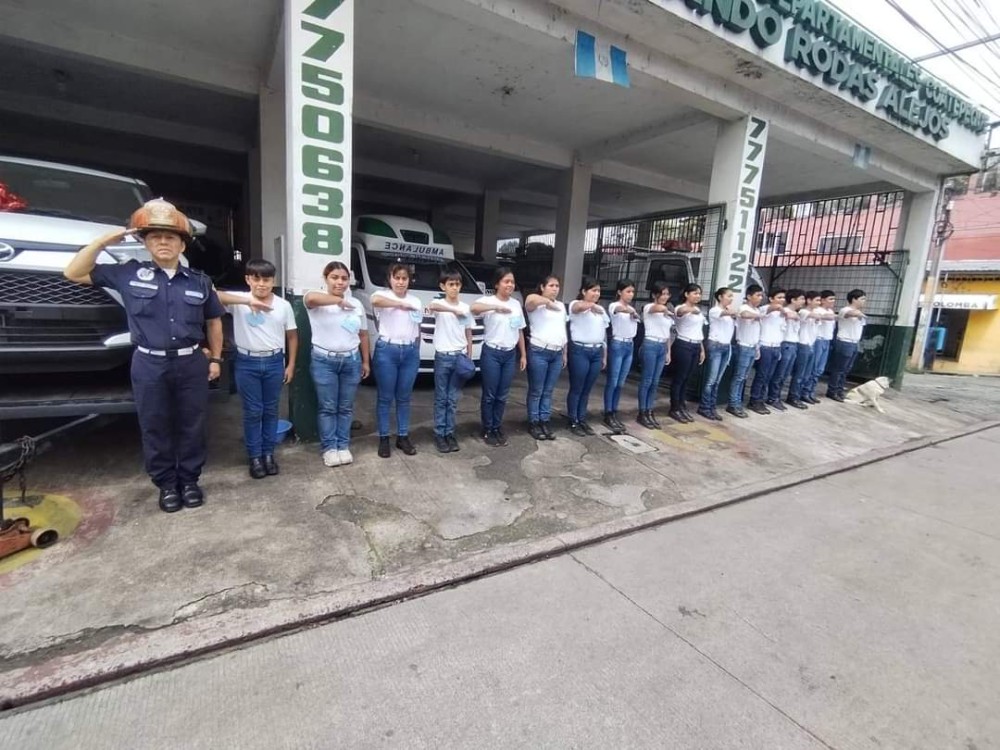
{"x": 547, "y": 430}
{"x": 384, "y": 451}
{"x": 257, "y": 470}
{"x": 270, "y": 465}
{"x": 621, "y": 425}
{"x": 404, "y": 444}
{"x": 644, "y": 420}
{"x": 609, "y": 422}
{"x": 535, "y": 430}
{"x": 170, "y": 499}
{"x": 651, "y": 415}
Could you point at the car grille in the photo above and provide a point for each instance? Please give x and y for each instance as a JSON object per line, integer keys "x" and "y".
{"x": 30, "y": 288}
{"x": 48, "y": 334}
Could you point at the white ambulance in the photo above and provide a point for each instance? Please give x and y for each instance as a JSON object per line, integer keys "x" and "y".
{"x": 378, "y": 241}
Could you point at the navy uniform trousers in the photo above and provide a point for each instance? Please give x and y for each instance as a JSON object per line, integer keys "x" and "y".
{"x": 171, "y": 400}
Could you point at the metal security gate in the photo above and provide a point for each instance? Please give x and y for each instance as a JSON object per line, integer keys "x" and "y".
{"x": 676, "y": 247}
{"x": 843, "y": 244}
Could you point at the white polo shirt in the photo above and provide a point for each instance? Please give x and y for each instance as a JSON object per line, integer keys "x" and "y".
{"x": 792, "y": 327}
{"x": 450, "y": 328}
{"x": 623, "y": 325}
{"x": 691, "y": 326}
{"x": 587, "y": 327}
{"x": 826, "y": 326}
{"x": 720, "y": 327}
{"x": 395, "y": 323}
{"x": 262, "y": 331}
{"x": 748, "y": 329}
{"x": 772, "y": 327}
{"x": 336, "y": 329}
{"x": 548, "y": 327}
{"x": 499, "y": 329}
{"x": 808, "y": 327}
{"x": 657, "y": 325}
{"x": 850, "y": 329}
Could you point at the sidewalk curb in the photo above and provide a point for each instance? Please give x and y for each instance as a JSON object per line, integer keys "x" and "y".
{"x": 136, "y": 650}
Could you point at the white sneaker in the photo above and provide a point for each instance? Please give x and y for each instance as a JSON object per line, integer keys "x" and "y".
{"x": 331, "y": 458}
{"x": 345, "y": 457}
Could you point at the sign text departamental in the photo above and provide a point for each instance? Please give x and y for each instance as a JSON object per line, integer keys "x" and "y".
{"x": 826, "y": 43}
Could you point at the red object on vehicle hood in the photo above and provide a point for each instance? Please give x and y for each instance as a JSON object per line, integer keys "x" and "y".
{"x": 10, "y": 201}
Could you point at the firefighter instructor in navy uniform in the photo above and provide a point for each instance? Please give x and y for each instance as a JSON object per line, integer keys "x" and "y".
{"x": 167, "y": 305}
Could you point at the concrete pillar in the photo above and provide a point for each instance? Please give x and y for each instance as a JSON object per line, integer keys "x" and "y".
{"x": 487, "y": 226}
{"x": 273, "y": 195}
{"x": 736, "y": 176}
{"x": 572, "y": 213}
{"x": 915, "y": 234}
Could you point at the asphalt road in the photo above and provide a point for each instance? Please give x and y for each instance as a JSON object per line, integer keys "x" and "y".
{"x": 859, "y": 611}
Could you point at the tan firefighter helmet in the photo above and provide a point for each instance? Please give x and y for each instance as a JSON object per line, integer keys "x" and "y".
{"x": 159, "y": 214}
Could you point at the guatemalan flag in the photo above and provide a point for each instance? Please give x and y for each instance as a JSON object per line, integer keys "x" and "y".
{"x": 597, "y": 59}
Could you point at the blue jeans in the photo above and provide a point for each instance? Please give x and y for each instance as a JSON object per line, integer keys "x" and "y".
{"x": 653, "y": 355}
{"x": 446, "y": 391}
{"x": 684, "y": 357}
{"x": 821, "y": 354}
{"x": 802, "y": 374}
{"x": 584, "y": 367}
{"x": 841, "y": 361}
{"x": 544, "y": 367}
{"x": 336, "y": 380}
{"x": 259, "y": 381}
{"x": 789, "y": 350}
{"x": 770, "y": 357}
{"x": 395, "y": 367}
{"x": 497, "y": 369}
{"x": 745, "y": 356}
{"x": 716, "y": 361}
{"x": 619, "y": 364}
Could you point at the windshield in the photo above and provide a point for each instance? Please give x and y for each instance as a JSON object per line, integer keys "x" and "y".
{"x": 424, "y": 274}
{"x": 44, "y": 191}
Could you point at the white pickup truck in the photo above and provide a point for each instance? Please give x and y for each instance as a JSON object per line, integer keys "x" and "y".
{"x": 378, "y": 241}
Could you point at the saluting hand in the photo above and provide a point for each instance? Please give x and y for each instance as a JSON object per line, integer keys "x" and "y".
{"x": 259, "y": 305}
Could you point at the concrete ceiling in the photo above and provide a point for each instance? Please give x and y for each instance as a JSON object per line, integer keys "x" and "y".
{"x": 450, "y": 100}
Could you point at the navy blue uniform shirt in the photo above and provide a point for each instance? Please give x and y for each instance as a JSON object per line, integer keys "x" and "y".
{"x": 163, "y": 313}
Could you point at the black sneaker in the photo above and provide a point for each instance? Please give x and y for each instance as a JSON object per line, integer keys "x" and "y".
{"x": 777, "y": 406}
{"x": 715, "y": 416}
{"x": 587, "y": 429}
{"x": 609, "y": 422}
{"x": 441, "y": 443}
{"x": 490, "y": 436}
{"x": 651, "y": 416}
{"x": 452, "y": 443}
{"x": 404, "y": 444}
{"x": 501, "y": 437}
{"x": 737, "y": 411}
{"x": 384, "y": 451}
{"x": 270, "y": 465}
{"x": 577, "y": 429}
{"x": 836, "y": 397}
{"x": 812, "y": 400}
{"x": 547, "y": 431}
{"x": 622, "y": 429}
{"x": 706, "y": 413}
{"x": 677, "y": 415}
{"x": 796, "y": 404}
{"x": 535, "y": 430}
{"x": 757, "y": 407}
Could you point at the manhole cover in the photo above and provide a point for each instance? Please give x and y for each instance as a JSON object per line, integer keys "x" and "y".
{"x": 632, "y": 444}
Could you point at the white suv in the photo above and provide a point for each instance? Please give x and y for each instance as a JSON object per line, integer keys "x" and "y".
{"x": 47, "y": 213}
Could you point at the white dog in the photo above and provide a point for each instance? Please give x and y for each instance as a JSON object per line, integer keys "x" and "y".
{"x": 868, "y": 394}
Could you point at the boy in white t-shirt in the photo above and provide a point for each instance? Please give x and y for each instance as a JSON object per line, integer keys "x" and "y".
{"x": 850, "y": 326}
{"x": 264, "y": 329}
{"x": 452, "y": 339}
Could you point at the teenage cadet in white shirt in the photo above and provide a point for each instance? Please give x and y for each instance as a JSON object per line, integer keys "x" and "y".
{"x": 808, "y": 329}
{"x": 657, "y": 320}
{"x": 719, "y": 350}
{"x": 503, "y": 347}
{"x": 687, "y": 352}
{"x": 624, "y": 326}
{"x": 850, "y": 327}
{"x": 772, "y": 332}
{"x": 339, "y": 360}
{"x": 824, "y": 340}
{"x": 747, "y": 348}
{"x": 452, "y": 339}
{"x": 397, "y": 357}
{"x": 264, "y": 329}
{"x": 588, "y": 355}
{"x": 546, "y": 354}
{"x": 795, "y": 299}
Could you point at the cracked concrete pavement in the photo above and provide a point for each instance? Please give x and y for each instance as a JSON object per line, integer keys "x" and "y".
{"x": 314, "y": 542}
